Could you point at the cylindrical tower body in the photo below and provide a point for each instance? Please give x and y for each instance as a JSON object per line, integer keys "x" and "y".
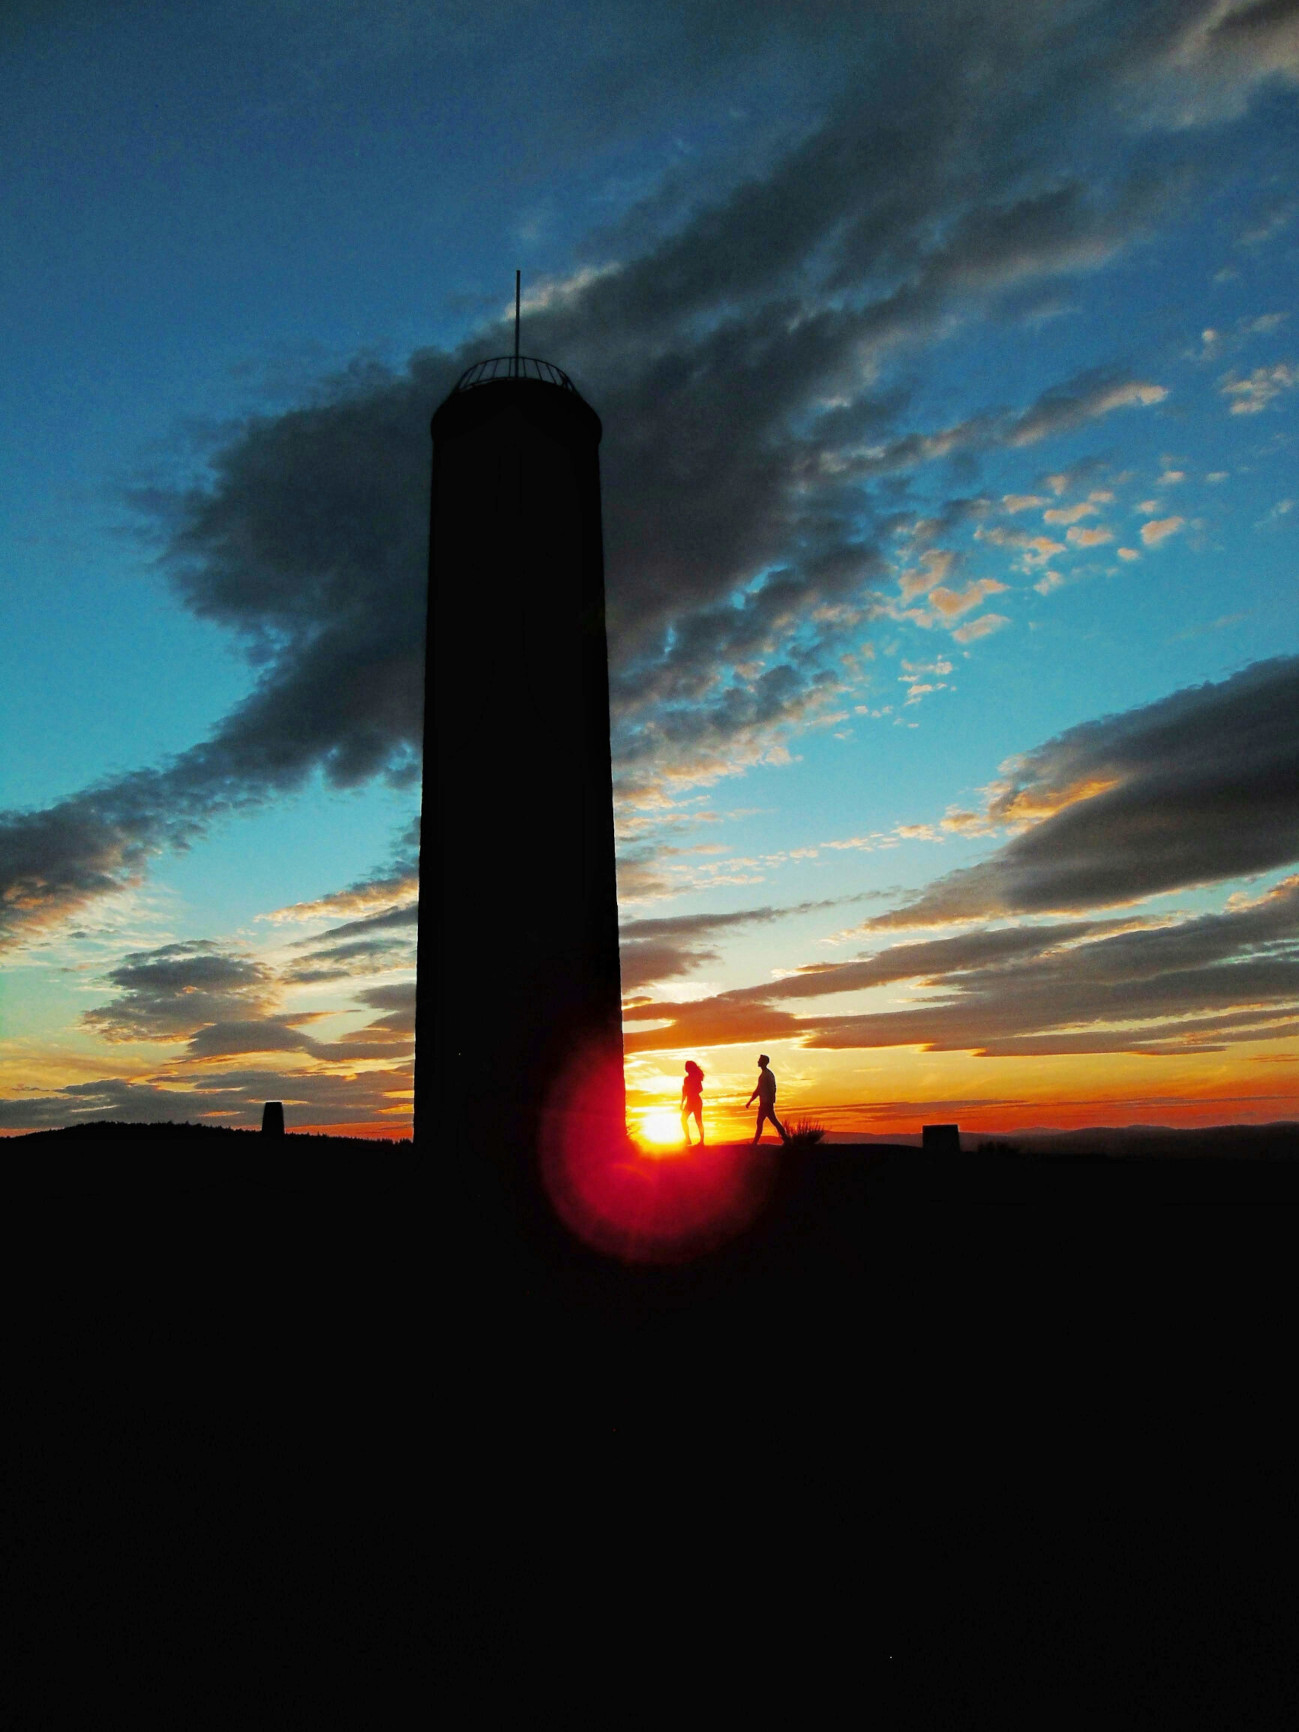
{"x": 518, "y": 1016}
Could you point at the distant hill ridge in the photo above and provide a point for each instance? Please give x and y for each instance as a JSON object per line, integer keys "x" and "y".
{"x": 824, "y": 1195}
{"x": 104, "y": 1131}
{"x": 1277, "y": 1140}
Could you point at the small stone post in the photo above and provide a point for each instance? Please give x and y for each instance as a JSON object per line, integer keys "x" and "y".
{"x": 941, "y": 1139}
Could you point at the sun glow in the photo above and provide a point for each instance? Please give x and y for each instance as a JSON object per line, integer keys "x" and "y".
{"x": 660, "y": 1129}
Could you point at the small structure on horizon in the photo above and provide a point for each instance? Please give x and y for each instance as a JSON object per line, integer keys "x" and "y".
{"x": 273, "y": 1119}
{"x": 941, "y": 1139}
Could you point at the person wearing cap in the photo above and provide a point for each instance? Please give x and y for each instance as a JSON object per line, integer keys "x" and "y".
{"x": 765, "y": 1095}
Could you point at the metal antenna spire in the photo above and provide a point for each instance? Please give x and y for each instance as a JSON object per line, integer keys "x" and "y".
{"x": 518, "y": 279}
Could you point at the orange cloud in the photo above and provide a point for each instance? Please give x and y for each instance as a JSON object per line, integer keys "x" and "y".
{"x": 981, "y": 627}
{"x": 1030, "y": 805}
{"x": 1160, "y": 530}
{"x": 952, "y": 603}
{"x": 1089, "y": 537}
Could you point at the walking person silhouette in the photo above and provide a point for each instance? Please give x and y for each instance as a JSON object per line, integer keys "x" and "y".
{"x": 692, "y": 1101}
{"x": 765, "y": 1095}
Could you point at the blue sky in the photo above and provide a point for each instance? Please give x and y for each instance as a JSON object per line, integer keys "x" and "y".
{"x": 947, "y": 359}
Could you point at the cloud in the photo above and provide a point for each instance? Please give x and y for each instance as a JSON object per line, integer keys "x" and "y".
{"x": 951, "y": 604}
{"x": 259, "y": 1035}
{"x": 359, "y": 947}
{"x": 397, "y": 883}
{"x": 654, "y": 950}
{"x": 1157, "y": 988}
{"x": 1160, "y": 530}
{"x": 1258, "y": 389}
{"x": 307, "y": 547}
{"x": 249, "y": 1037}
{"x": 397, "y": 1001}
{"x": 1068, "y": 407}
{"x": 1193, "y": 984}
{"x": 171, "y": 992}
{"x": 392, "y": 920}
{"x": 1078, "y": 475}
{"x": 377, "y": 1096}
{"x": 1206, "y": 57}
{"x": 934, "y": 566}
{"x": 1061, "y": 409}
{"x": 1034, "y": 550}
{"x": 1199, "y": 787}
{"x": 224, "y": 1002}
{"x": 747, "y": 332}
{"x": 984, "y": 626}
{"x": 1273, "y": 220}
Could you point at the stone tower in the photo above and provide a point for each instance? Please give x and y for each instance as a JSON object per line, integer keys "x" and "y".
{"x": 518, "y": 1025}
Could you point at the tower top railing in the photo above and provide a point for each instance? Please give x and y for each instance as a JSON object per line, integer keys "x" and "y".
{"x": 514, "y": 367}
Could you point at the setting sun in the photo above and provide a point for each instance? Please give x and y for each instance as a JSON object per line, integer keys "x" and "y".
{"x": 661, "y": 1129}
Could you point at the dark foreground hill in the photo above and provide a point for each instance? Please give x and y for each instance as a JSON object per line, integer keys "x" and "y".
{"x": 1133, "y": 1163}
{"x": 285, "y": 1400}
{"x": 366, "y": 1223}
{"x": 369, "y": 1204}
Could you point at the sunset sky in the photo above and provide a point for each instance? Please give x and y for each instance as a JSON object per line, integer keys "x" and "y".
{"x": 947, "y": 357}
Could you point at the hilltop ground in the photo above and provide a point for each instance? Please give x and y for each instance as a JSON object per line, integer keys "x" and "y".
{"x": 1135, "y": 1163}
{"x": 824, "y": 1209}
{"x": 254, "y": 1350}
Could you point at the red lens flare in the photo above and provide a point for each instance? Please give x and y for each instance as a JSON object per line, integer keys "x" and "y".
{"x": 646, "y": 1205}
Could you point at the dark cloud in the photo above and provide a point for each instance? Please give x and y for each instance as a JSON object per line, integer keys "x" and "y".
{"x": 345, "y": 961}
{"x": 224, "y": 1003}
{"x": 279, "y": 1034}
{"x": 737, "y": 343}
{"x": 308, "y": 545}
{"x": 398, "y": 1001}
{"x": 1188, "y": 985}
{"x": 1197, "y": 788}
{"x": 1200, "y": 983}
{"x": 170, "y": 993}
{"x": 1221, "y": 51}
{"x": 252, "y": 1035}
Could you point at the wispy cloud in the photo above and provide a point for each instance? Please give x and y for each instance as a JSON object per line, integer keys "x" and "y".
{"x": 1159, "y": 988}
{"x": 1257, "y": 390}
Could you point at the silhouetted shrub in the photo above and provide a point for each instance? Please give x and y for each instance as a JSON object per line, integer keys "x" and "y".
{"x": 805, "y": 1132}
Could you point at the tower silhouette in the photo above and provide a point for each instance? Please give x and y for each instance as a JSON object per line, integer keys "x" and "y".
{"x": 518, "y": 1022}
